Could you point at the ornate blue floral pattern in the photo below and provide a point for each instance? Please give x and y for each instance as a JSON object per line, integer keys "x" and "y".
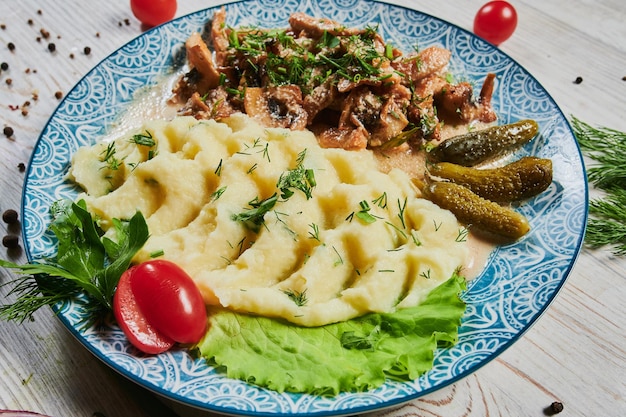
{"x": 516, "y": 286}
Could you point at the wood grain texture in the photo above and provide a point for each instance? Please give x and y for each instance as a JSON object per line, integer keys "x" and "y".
{"x": 576, "y": 352}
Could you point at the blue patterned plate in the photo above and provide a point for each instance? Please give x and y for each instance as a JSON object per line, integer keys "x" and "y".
{"x": 516, "y": 286}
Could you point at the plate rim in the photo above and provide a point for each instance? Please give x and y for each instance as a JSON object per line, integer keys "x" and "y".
{"x": 368, "y": 407}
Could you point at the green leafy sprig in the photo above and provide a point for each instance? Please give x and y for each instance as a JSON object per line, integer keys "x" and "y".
{"x": 86, "y": 262}
{"x": 607, "y": 222}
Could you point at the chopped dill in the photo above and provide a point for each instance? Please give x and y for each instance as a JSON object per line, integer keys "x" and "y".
{"x": 381, "y": 201}
{"x": 315, "y": 232}
{"x": 108, "y": 157}
{"x": 217, "y": 193}
{"x": 298, "y": 297}
{"x": 401, "y": 209}
{"x": 339, "y": 261}
{"x": 462, "y": 235}
{"x": 299, "y": 178}
{"x": 143, "y": 139}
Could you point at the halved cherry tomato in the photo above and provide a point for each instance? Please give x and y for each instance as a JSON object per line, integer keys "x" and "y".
{"x": 153, "y": 12}
{"x": 170, "y": 300}
{"x": 495, "y": 22}
{"x": 133, "y": 323}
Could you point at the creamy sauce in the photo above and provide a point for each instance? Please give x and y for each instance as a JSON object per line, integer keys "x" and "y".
{"x": 480, "y": 250}
{"x": 150, "y": 103}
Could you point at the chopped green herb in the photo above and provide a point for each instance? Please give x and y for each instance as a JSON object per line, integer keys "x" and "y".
{"x": 143, "y": 139}
{"x": 329, "y": 41}
{"x": 315, "y": 232}
{"x": 462, "y": 236}
{"x": 253, "y": 218}
{"x": 401, "y": 209}
{"x": 108, "y": 157}
{"x": 339, "y": 260}
{"x": 299, "y": 178}
{"x": 364, "y": 214}
{"x": 416, "y": 239}
{"x": 218, "y": 193}
{"x": 286, "y": 227}
{"x": 299, "y": 298}
{"x": 397, "y": 229}
{"x": 381, "y": 201}
{"x": 266, "y": 152}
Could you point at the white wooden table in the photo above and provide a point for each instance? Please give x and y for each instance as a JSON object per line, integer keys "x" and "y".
{"x": 575, "y": 354}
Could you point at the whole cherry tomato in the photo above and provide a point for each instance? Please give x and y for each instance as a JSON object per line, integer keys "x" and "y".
{"x": 133, "y": 323}
{"x": 153, "y": 12}
{"x": 495, "y": 22}
{"x": 170, "y": 300}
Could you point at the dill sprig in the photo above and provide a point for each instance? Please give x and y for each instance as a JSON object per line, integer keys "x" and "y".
{"x": 607, "y": 147}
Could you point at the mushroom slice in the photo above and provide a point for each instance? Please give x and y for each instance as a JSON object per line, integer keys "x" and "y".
{"x": 276, "y": 106}
{"x": 201, "y": 60}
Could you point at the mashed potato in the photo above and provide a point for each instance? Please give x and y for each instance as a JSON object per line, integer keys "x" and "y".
{"x": 216, "y": 202}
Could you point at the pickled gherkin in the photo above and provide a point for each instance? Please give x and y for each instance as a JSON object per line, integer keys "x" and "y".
{"x": 478, "y": 146}
{"x": 477, "y": 212}
{"x": 516, "y": 181}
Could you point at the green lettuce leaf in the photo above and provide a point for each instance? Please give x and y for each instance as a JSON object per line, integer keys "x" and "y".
{"x": 354, "y": 355}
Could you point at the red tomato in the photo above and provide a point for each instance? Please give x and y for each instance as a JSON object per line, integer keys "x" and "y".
{"x": 495, "y": 22}
{"x": 170, "y": 300}
{"x": 153, "y": 12}
{"x": 133, "y": 323}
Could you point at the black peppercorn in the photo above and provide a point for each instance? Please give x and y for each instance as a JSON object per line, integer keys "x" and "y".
{"x": 10, "y": 216}
{"x": 578, "y": 80}
{"x": 8, "y": 131}
{"x": 10, "y": 241}
{"x": 4, "y": 66}
{"x": 52, "y": 47}
{"x": 11, "y": 46}
{"x": 557, "y": 407}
